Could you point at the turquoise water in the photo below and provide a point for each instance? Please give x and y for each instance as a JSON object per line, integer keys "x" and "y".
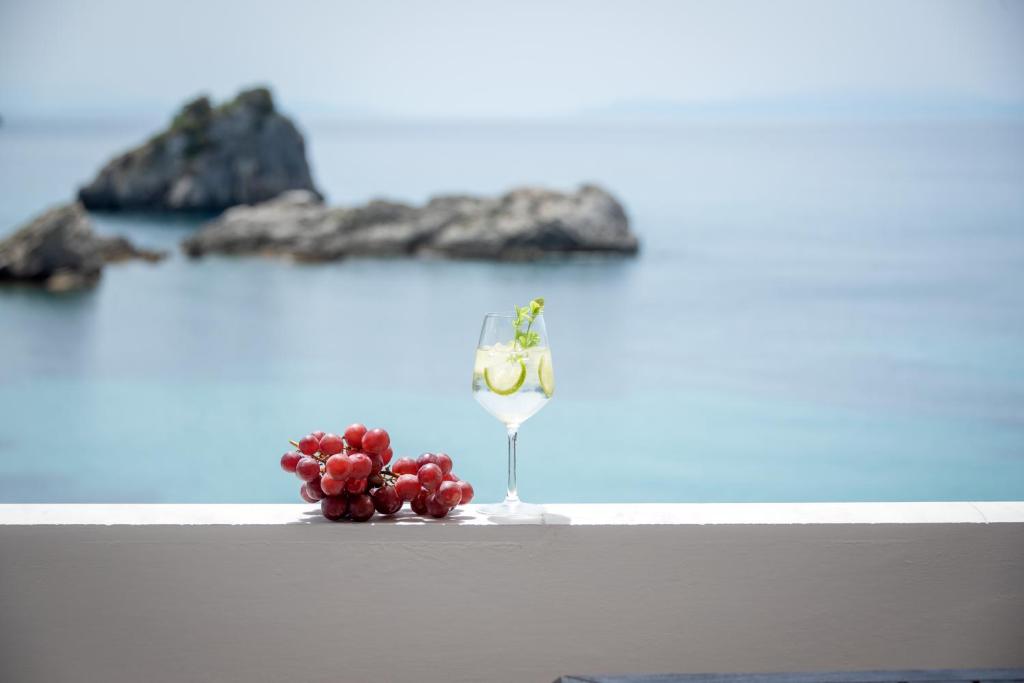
{"x": 818, "y": 313}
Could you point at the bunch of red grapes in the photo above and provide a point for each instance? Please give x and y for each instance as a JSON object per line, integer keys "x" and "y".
{"x": 350, "y": 478}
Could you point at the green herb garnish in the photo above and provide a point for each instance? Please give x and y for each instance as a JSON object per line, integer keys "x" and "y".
{"x": 525, "y": 315}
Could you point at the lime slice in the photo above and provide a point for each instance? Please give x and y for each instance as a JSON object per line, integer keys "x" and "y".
{"x": 546, "y": 374}
{"x": 505, "y": 378}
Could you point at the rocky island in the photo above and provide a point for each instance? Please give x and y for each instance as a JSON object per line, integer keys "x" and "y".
{"x": 523, "y": 224}
{"x": 209, "y": 159}
{"x": 246, "y": 159}
{"x": 60, "y": 251}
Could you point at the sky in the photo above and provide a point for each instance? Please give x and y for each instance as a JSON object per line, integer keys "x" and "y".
{"x": 449, "y": 58}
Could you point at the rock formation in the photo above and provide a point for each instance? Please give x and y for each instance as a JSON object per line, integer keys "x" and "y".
{"x": 524, "y": 224}
{"x": 60, "y": 251}
{"x": 210, "y": 158}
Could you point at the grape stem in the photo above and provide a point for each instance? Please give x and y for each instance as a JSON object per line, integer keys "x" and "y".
{"x": 385, "y": 472}
{"x": 318, "y": 456}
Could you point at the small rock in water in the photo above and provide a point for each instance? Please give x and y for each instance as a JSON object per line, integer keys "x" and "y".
{"x": 210, "y": 158}
{"x": 524, "y": 224}
{"x": 60, "y": 251}
{"x": 116, "y": 249}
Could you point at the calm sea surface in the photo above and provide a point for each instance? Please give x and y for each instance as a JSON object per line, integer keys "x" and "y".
{"x": 818, "y": 313}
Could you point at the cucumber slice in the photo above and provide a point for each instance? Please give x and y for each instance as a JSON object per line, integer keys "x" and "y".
{"x": 546, "y": 374}
{"x": 505, "y": 378}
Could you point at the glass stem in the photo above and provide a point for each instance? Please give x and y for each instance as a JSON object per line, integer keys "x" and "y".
{"x": 512, "y": 495}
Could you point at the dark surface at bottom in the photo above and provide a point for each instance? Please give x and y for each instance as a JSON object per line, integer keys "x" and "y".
{"x": 907, "y": 676}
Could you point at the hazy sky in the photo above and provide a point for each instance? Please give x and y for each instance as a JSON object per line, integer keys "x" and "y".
{"x": 516, "y": 58}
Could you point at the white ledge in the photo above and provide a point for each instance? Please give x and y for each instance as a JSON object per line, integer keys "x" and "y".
{"x": 555, "y": 514}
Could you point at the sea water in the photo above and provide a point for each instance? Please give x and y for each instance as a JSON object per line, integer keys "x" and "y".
{"x": 818, "y": 312}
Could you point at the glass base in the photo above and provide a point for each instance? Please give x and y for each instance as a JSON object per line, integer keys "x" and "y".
{"x": 513, "y": 512}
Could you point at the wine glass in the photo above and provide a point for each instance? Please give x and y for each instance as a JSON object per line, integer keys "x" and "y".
{"x": 513, "y": 378}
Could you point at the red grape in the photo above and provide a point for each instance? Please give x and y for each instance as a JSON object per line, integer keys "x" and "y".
{"x": 307, "y": 468}
{"x": 405, "y": 466}
{"x": 376, "y": 464}
{"x": 334, "y": 507}
{"x": 318, "y": 434}
{"x": 386, "y": 500}
{"x": 309, "y": 444}
{"x": 376, "y": 440}
{"x": 356, "y": 485}
{"x": 313, "y": 490}
{"x": 354, "y": 435}
{"x": 339, "y": 466}
{"x": 435, "y": 508}
{"x": 315, "y": 486}
{"x": 419, "y": 503}
{"x": 450, "y": 477}
{"x": 467, "y": 491}
{"x": 449, "y": 493}
{"x": 443, "y": 461}
{"x": 331, "y": 485}
{"x": 425, "y": 458}
{"x": 306, "y": 495}
{"x": 360, "y": 508}
{"x": 289, "y": 460}
{"x": 407, "y": 486}
{"x": 362, "y": 466}
{"x": 331, "y": 444}
{"x": 387, "y": 455}
{"x": 375, "y": 481}
{"x": 430, "y": 476}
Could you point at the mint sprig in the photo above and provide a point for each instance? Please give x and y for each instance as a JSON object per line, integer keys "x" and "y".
{"x": 525, "y": 315}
